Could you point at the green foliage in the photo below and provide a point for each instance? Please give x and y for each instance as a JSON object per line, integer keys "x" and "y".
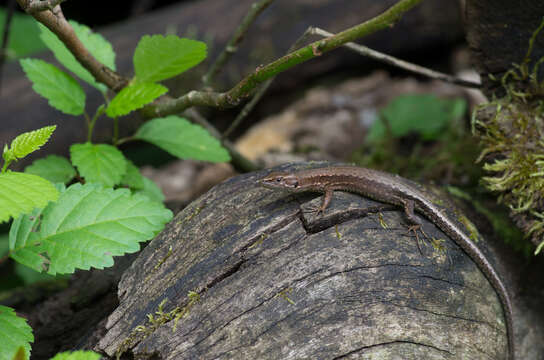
{"x": 133, "y": 179}
{"x": 182, "y": 139}
{"x": 60, "y": 89}
{"x": 56, "y": 169}
{"x": 99, "y": 47}
{"x": 23, "y": 36}
{"x": 86, "y": 227}
{"x": 99, "y": 163}
{"x": 151, "y": 190}
{"x": 134, "y": 97}
{"x": 27, "y": 143}
{"x": 160, "y": 57}
{"x": 14, "y": 332}
{"x": 423, "y": 114}
{"x": 77, "y": 355}
{"x": 20, "y": 193}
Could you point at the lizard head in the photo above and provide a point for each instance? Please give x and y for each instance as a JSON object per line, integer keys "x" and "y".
{"x": 280, "y": 180}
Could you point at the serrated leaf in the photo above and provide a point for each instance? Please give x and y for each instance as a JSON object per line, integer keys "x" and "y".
{"x": 182, "y": 139}
{"x": 160, "y": 57}
{"x": 14, "y": 332}
{"x": 77, "y": 355}
{"x": 99, "y": 47}
{"x": 60, "y": 89}
{"x": 151, "y": 190}
{"x": 89, "y": 225}
{"x": 28, "y": 142}
{"x": 133, "y": 97}
{"x": 22, "y": 237}
{"x": 133, "y": 178}
{"x": 53, "y": 168}
{"x": 99, "y": 163}
{"x": 20, "y": 193}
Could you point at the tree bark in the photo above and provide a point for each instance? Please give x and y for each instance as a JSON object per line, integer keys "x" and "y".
{"x": 498, "y": 33}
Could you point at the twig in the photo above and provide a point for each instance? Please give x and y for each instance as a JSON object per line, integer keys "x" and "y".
{"x": 365, "y": 51}
{"x": 55, "y": 21}
{"x": 262, "y": 90}
{"x": 5, "y": 37}
{"x": 237, "y": 37}
{"x": 245, "y": 87}
{"x": 35, "y": 6}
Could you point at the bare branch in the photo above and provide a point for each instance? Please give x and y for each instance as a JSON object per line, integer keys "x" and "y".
{"x": 262, "y": 90}
{"x": 232, "y": 45}
{"x": 55, "y": 21}
{"x": 365, "y": 51}
{"x": 35, "y": 6}
{"x": 248, "y": 85}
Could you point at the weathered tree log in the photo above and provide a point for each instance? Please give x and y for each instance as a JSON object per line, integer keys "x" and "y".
{"x": 275, "y": 282}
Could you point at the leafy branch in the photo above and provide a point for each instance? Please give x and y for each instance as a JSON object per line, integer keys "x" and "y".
{"x": 245, "y": 88}
{"x": 56, "y": 22}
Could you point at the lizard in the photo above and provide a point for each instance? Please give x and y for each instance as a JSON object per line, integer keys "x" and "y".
{"x": 394, "y": 190}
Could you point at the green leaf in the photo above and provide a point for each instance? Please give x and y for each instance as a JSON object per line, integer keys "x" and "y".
{"x": 97, "y": 45}
{"x": 86, "y": 227}
{"x": 133, "y": 179}
{"x": 133, "y": 97}
{"x": 14, "y": 332}
{"x": 424, "y": 114}
{"x": 23, "y": 35}
{"x": 59, "y": 88}
{"x": 77, "y": 355}
{"x": 28, "y": 142}
{"x": 151, "y": 190}
{"x": 158, "y": 57}
{"x": 182, "y": 139}
{"x": 100, "y": 48}
{"x": 53, "y": 168}
{"x": 23, "y": 237}
{"x": 20, "y": 193}
{"x": 99, "y": 163}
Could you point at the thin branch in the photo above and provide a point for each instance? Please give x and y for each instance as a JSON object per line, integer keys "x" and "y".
{"x": 365, "y": 51}
{"x": 35, "y": 6}
{"x": 5, "y": 37}
{"x": 245, "y": 87}
{"x": 55, "y": 21}
{"x": 237, "y": 37}
{"x": 262, "y": 90}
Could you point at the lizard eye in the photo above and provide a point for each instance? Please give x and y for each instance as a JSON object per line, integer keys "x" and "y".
{"x": 279, "y": 179}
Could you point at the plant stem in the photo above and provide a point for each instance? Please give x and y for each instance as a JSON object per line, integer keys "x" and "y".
{"x": 245, "y": 87}
{"x": 99, "y": 111}
{"x": 237, "y": 37}
{"x": 388, "y": 59}
{"x": 6, "y": 164}
{"x": 262, "y": 90}
{"x": 55, "y": 21}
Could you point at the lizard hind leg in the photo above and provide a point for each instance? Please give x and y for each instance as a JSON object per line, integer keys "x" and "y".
{"x": 416, "y": 225}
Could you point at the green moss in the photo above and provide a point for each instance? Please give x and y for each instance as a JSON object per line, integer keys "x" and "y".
{"x": 511, "y": 131}
{"x": 154, "y": 321}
